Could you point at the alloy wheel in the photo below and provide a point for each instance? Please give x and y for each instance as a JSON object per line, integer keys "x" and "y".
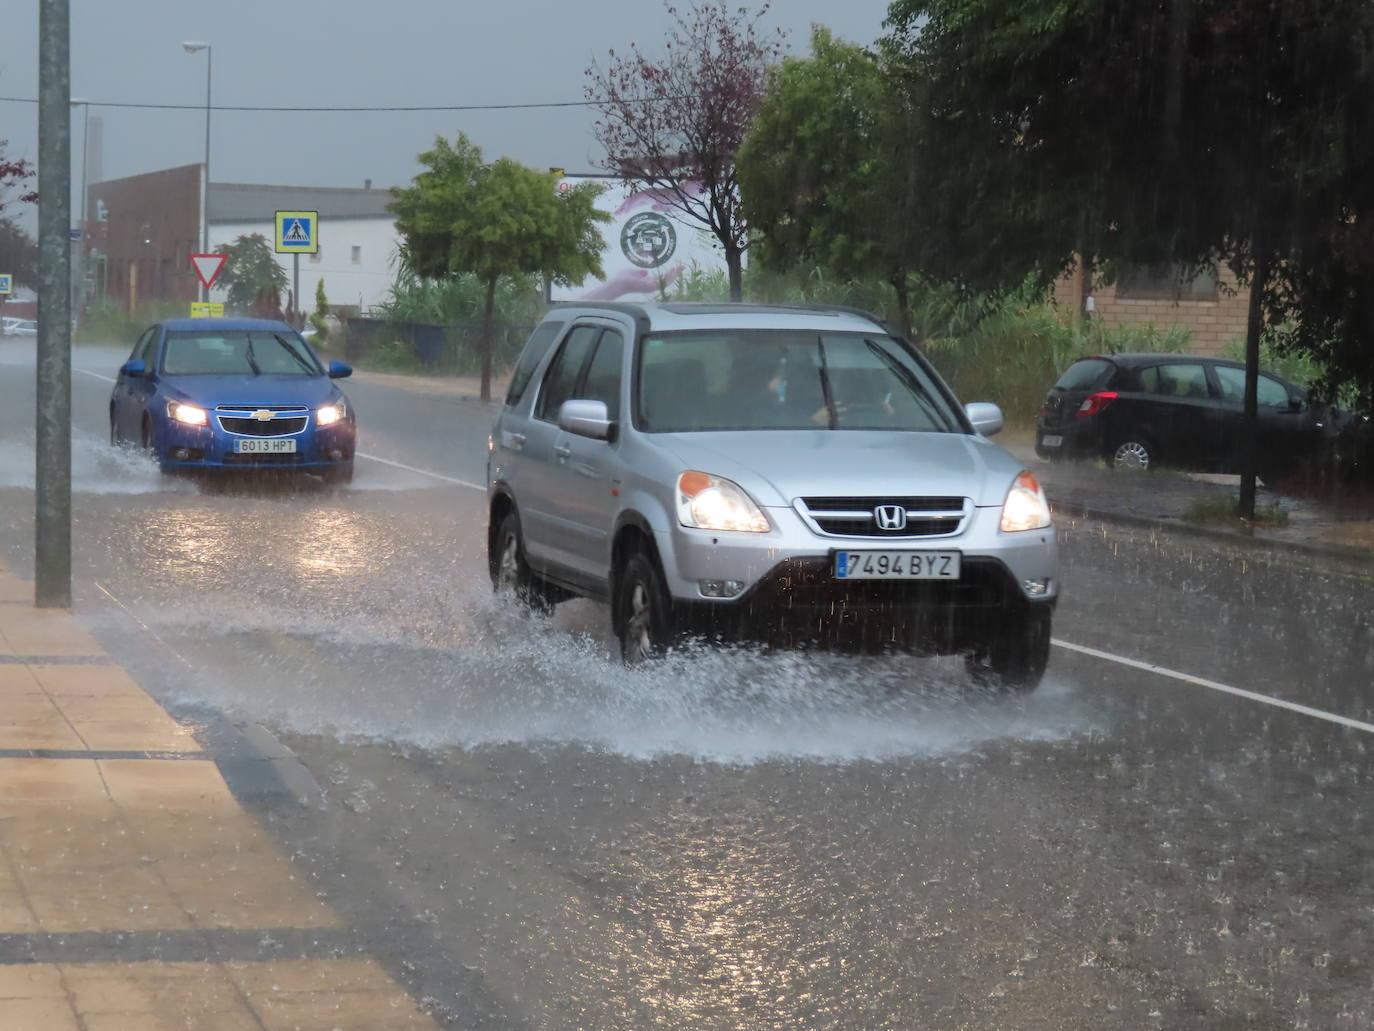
{"x": 638, "y": 625}
{"x": 1132, "y": 457}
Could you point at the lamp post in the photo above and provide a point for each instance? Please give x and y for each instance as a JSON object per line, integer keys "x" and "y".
{"x": 192, "y": 47}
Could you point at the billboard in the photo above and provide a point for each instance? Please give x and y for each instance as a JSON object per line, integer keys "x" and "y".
{"x": 649, "y": 245}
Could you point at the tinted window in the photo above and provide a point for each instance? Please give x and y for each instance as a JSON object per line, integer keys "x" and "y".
{"x": 602, "y": 382}
{"x": 561, "y": 379}
{"x": 535, "y": 348}
{"x": 771, "y": 380}
{"x": 1232, "y": 381}
{"x": 226, "y": 352}
{"x": 1180, "y": 380}
{"x": 1085, "y": 374}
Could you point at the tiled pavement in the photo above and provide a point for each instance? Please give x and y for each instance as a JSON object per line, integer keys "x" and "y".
{"x": 135, "y": 893}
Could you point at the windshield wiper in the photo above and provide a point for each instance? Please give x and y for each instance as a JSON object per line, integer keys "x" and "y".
{"x": 905, "y": 377}
{"x": 252, "y": 361}
{"x": 827, "y": 396}
{"x": 300, "y": 359}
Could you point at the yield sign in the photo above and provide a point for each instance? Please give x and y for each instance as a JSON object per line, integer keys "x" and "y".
{"x": 208, "y": 266}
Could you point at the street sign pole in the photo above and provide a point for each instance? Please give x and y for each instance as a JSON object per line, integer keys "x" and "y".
{"x": 53, "y": 451}
{"x": 296, "y": 283}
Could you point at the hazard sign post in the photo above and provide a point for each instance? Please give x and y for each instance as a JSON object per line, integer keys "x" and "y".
{"x": 297, "y": 233}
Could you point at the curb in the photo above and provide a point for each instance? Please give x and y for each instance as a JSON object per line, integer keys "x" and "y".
{"x": 1361, "y": 559}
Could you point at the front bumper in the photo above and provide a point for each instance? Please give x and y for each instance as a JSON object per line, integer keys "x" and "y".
{"x": 188, "y": 448}
{"x": 787, "y": 578}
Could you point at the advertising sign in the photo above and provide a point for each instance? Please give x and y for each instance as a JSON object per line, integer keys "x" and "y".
{"x": 649, "y": 246}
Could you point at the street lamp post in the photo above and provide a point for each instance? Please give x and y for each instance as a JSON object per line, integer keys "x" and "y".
{"x": 79, "y": 279}
{"x": 191, "y": 47}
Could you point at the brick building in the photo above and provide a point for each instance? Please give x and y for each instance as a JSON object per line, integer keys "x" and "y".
{"x": 141, "y": 233}
{"x": 1213, "y": 312}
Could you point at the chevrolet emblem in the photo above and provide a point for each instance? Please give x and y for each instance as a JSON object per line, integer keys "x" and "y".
{"x": 263, "y": 415}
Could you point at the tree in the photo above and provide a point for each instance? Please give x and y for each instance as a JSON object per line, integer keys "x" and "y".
{"x": 253, "y": 276}
{"x": 825, "y": 173}
{"x": 494, "y": 220}
{"x": 14, "y": 173}
{"x": 18, "y": 253}
{"x": 321, "y": 313}
{"x": 1191, "y": 132}
{"x": 674, "y": 124}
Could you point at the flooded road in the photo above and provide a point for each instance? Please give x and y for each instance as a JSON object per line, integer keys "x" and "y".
{"x": 534, "y": 837}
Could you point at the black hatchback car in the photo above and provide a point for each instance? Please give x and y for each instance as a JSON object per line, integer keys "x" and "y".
{"x": 1140, "y": 411}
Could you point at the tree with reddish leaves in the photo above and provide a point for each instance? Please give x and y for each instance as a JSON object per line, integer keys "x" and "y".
{"x": 14, "y": 173}
{"x": 672, "y": 125}
{"x": 18, "y": 250}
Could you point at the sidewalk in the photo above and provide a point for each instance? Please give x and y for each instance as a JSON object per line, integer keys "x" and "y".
{"x": 136, "y": 894}
{"x": 1163, "y": 500}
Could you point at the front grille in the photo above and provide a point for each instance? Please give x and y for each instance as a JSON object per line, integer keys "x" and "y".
{"x": 261, "y": 408}
{"x": 858, "y": 516}
{"x": 258, "y": 428}
{"x": 288, "y": 459}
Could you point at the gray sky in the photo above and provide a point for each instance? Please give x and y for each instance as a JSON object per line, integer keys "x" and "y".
{"x": 346, "y": 52}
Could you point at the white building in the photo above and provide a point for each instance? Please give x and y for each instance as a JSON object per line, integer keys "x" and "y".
{"x": 357, "y": 237}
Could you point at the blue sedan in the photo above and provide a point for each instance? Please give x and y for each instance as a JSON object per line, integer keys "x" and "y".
{"x": 210, "y": 394}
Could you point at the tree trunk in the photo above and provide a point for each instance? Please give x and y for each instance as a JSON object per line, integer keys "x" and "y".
{"x": 488, "y": 317}
{"x": 734, "y": 262}
{"x": 899, "y": 285}
{"x": 1250, "y": 424}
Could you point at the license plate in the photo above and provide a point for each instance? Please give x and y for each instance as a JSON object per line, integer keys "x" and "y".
{"x": 897, "y": 565}
{"x": 1051, "y": 440}
{"x": 270, "y": 446}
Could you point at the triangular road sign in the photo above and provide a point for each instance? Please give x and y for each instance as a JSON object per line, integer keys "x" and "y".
{"x": 208, "y": 267}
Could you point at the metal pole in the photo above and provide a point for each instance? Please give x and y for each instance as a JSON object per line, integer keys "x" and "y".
{"x": 296, "y": 284}
{"x": 205, "y": 190}
{"x": 53, "y": 451}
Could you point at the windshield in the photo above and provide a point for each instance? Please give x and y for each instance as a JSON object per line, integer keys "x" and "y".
{"x": 714, "y": 380}
{"x": 238, "y": 353}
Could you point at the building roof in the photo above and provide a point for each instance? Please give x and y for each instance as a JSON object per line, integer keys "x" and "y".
{"x": 252, "y": 202}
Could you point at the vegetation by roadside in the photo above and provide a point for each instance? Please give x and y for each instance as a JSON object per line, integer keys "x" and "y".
{"x": 1224, "y": 511}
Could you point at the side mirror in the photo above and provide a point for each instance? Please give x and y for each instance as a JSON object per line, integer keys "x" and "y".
{"x": 340, "y": 370}
{"x": 137, "y": 367}
{"x": 586, "y": 419}
{"x": 986, "y": 417}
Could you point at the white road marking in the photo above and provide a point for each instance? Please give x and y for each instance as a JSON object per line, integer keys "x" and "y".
{"x": 1188, "y": 678}
{"x": 360, "y": 454}
{"x": 422, "y": 472}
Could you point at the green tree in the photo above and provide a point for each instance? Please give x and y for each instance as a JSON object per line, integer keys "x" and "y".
{"x": 825, "y": 173}
{"x": 497, "y": 219}
{"x": 318, "y": 317}
{"x": 252, "y": 275}
{"x": 1189, "y": 132}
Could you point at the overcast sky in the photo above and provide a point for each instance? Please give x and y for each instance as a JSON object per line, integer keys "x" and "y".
{"x": 346, "y": 52}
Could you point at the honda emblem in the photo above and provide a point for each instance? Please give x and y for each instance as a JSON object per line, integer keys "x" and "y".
{"x": 890, "y": 517}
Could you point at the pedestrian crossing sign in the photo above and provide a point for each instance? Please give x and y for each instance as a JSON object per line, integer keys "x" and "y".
{"x": 297, "y": 232}
{"x": 6, "y": 283}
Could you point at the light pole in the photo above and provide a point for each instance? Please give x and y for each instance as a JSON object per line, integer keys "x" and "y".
{"x": 191, "y": 47}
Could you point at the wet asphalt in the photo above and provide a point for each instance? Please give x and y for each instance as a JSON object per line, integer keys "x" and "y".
{"x": 532, "y": 837}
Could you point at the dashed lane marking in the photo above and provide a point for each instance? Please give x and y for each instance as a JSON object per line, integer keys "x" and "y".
{"x": 1188, "y": 678}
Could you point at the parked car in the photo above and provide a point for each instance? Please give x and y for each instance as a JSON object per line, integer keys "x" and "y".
{"x": 20, "y": 327}
{"x": 1142, "y": 411}
{"x": 748, "y": 471}
{"x": 218, "y": 394}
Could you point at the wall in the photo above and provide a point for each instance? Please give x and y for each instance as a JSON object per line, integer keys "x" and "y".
{"x": 152, "y": 228}
{"x": 363, "y": 284}
{"x": 1213, "y": 324}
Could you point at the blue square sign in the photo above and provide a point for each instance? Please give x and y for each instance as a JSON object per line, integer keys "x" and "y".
{"x": 6, "y": 283}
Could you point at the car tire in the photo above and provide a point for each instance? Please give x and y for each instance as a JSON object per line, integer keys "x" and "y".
{"x": 1133, "y": 454}
{"x": 511, "y": 573}
{"x": 115, "y": 439}
{"x": 645, "y": 621}
{"x": 340, "y": 475}
{"x": 1015, "y": 657}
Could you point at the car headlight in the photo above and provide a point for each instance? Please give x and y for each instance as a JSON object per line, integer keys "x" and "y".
{"x": 189, "y": 414}
{"x": 1025, "y": 507}
{"x": 330, "y": 414}
{"x": 714, "y": 503}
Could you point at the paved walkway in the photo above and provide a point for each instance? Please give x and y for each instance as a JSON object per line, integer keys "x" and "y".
{"x": 135, "y": 893}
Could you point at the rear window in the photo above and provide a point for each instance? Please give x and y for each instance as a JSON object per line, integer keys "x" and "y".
{"x": 535, "y": 348}
{"x": 1085, "y": 374}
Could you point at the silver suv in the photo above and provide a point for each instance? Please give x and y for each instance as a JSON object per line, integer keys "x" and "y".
{"x": 748, "y": 471}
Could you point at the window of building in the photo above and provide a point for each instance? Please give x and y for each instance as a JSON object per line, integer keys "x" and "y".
{"x": 1164, "y": 283}
{"x": 357, "y": 255}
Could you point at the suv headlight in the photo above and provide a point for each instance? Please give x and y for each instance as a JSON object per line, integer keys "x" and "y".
{"x": 1025, "y": 507}
{"x": 189, "y": 414}
{"x": 330, "y": 414}
{"x": 714, "y": 503}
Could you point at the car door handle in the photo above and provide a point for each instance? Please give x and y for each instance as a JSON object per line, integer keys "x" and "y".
{"x": 515, "y": 441}
{"x": 562, "y": 450}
